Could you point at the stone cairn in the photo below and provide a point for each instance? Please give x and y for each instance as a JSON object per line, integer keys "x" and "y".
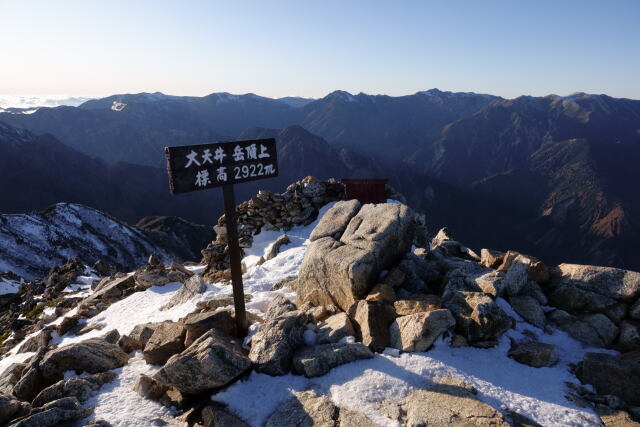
{"x": 298, "y": 205}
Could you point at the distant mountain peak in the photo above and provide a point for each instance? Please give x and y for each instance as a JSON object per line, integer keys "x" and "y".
{"x": 342, "y": 95}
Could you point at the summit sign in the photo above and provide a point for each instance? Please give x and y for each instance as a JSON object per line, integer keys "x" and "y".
{"x": 223, "y": 164}
{"x": 200, "y": 167}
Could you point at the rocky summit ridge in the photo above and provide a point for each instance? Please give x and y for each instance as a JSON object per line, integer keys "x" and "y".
{"x": 358, "y": 315}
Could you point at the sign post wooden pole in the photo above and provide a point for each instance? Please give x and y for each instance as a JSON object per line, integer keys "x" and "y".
{"x": 223, "y": 164}
{"x": 235, "y": 258}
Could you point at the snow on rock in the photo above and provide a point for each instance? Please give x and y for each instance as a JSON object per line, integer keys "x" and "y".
{"x": 503, "y": 383}
{"x": 8, "y": 286}
{"x": 31, "y": 244}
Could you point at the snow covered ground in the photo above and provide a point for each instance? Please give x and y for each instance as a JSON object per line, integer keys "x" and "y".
{"x": 501, "y": 382}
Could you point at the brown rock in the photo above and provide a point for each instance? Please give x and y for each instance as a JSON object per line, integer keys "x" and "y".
{"x": 372, "y": 320}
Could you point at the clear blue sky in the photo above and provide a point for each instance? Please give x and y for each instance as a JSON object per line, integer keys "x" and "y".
{"x": 310, "y": 48}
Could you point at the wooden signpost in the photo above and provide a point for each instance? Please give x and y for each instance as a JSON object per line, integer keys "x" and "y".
{"x": 223, "y": 164}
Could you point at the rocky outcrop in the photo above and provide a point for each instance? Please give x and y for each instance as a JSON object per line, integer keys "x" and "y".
{"x": 341, "y": 271}
{"x": 417, "y": 332}
{"x": 319, "y": 359}
{"x": 213, "y": 360}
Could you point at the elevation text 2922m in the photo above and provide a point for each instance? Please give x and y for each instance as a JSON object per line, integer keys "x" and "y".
{"x": 200, "y": 167}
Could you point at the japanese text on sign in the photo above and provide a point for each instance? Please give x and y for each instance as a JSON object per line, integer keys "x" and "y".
{"x": 199, "y": 167}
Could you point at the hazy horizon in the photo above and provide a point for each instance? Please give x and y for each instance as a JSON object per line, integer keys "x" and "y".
{"x": 290, "y": 48}
{"x": 55, "y": 100}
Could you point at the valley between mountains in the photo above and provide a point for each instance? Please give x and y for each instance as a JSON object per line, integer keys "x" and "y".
{"x": 552, "y": 175}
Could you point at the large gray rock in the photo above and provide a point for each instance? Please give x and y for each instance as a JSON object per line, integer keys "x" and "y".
{"x": 213, "y": 360}
{"x": 530, "y": 310}
{"x": 450, "y": 403}
{"x": 273, "y": 346}
{"x": 335, "y": 220}
{"x": 417, "y": 332}
{"x": 372, "y": 320}
{"x": 55, "y": 413}
{"x": 535, "y": 354}
{"x": 82, "y": 388}
{"x": 621, "y": 285}
{"x": 593, "y": 329}
{"x": 167, "y": 340}
{"x": 478, "y": 317}
{"x": 342, "y": 271}
{"x": 334, "y": 328}
{"x": 320, "y": 359}
{"x": 92, "y": 355}
{"x": 192, "y": 286}
{"x": 612, "y": 375}
{"x": 305, "y": 409}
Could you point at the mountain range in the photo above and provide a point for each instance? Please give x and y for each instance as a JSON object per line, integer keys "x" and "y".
{"x": 552, "y": 175}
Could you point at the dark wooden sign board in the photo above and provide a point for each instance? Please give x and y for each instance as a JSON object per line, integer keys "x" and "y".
{"x": 222, "y": 164}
